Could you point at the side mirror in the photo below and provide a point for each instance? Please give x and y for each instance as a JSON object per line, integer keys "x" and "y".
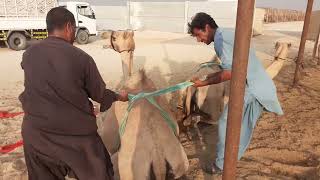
{"x": 93, "y": 15}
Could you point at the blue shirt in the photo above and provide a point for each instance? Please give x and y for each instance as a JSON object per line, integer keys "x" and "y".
{"x": 259, "y": 83}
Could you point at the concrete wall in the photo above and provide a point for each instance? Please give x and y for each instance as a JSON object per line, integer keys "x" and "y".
{"x": 173, "y": 16}
{"x": 159, "y": 16}
{"x": 314, "y": 26}
{"x": 224, "y": 12}
{"x": 111, "y": 17}
{"x": 258, "y": 22}
{"x": 170, "y": 16}
{"x": 164, "y": 15}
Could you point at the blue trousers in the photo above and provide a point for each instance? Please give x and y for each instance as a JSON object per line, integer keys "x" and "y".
{"x": 252, "y": 110}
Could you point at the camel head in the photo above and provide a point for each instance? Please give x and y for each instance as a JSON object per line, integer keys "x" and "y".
{"x": 119, "y": 40}
{"x": 282, "y": 49}
{"x": 139, "y": 82}
{"x": 123, "y": 43}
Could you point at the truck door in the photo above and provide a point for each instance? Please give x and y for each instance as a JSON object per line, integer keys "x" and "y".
{"x": 86, "y": 18}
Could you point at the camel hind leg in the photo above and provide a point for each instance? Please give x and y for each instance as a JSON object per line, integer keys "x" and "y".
{"x": 177, "y": 160}
{"x": 134, "y": 166}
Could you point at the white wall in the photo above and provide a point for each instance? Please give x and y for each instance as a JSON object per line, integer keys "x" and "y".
{"x": 160, "y": 15}
{"x": 223, "y": 11}
{"x": 314, "y": 26}
{"x": 170, "y": 16}
{"x": 111, "y": 17}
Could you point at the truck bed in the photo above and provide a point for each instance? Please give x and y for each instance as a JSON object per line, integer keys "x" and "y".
{"x": 22, "y": 23}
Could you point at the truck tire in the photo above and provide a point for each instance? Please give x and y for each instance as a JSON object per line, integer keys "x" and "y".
{"x": 82, "y": 37}
{"x": 17, "y": 41}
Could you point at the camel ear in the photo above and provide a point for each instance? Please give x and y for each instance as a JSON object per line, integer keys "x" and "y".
{"x": 277, "y": 44}
{"x": 289, "y": 45}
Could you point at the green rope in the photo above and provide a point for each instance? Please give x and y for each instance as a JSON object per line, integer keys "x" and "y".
{"x": 150, "y": 97}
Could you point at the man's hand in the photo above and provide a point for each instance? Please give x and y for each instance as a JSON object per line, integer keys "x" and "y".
{"x": 213, "y": 78}
{"x": 197, "y": 82}
{"x": 123, "y": 96}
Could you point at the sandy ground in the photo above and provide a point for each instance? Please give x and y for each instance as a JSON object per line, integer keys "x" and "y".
{"x": 285, "y": 147}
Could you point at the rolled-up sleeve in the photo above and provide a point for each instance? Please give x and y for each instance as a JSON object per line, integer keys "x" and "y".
{"x": 96, "y": 88}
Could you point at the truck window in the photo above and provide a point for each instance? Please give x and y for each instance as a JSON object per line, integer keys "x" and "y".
{"x": 86, "y": 11}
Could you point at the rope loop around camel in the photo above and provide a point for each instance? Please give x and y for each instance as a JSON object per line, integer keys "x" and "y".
{"x": 150, "y": 97}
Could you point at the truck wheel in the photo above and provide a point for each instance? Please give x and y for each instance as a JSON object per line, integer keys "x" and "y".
{"x": 82, "y": 37}
{"x": 17, "y": 41}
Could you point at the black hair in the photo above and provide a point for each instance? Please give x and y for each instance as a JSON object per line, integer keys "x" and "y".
{"x": 58, "y": 17}
{"x": 200, "y": 20}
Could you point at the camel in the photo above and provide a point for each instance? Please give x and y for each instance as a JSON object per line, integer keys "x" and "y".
{"x": 148, "y": 149}
{"x": 281, "y": 54}
{"x": 123, "y": 43}
{"x": 206, "y": 103}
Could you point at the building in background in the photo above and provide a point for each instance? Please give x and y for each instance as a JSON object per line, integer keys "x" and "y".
{"x": 160, "y": 15}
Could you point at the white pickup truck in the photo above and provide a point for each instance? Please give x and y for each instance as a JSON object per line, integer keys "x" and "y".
{"x": 23, "y": 20}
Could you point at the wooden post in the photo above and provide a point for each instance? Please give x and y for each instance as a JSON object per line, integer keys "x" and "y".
{"x": 237, "y": 87}
{"x": 315, "y": 48}
{"x": 303, "y": 42}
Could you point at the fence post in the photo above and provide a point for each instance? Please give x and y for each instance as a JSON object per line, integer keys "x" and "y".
{"x": 315, "y": 48}
{"x": 303, "y": 42}
{"x": 241, "y": 48}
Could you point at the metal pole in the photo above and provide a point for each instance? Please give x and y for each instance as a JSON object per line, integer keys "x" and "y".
{"x": 303, "y": 42}
{"x": 239, "y": 72}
